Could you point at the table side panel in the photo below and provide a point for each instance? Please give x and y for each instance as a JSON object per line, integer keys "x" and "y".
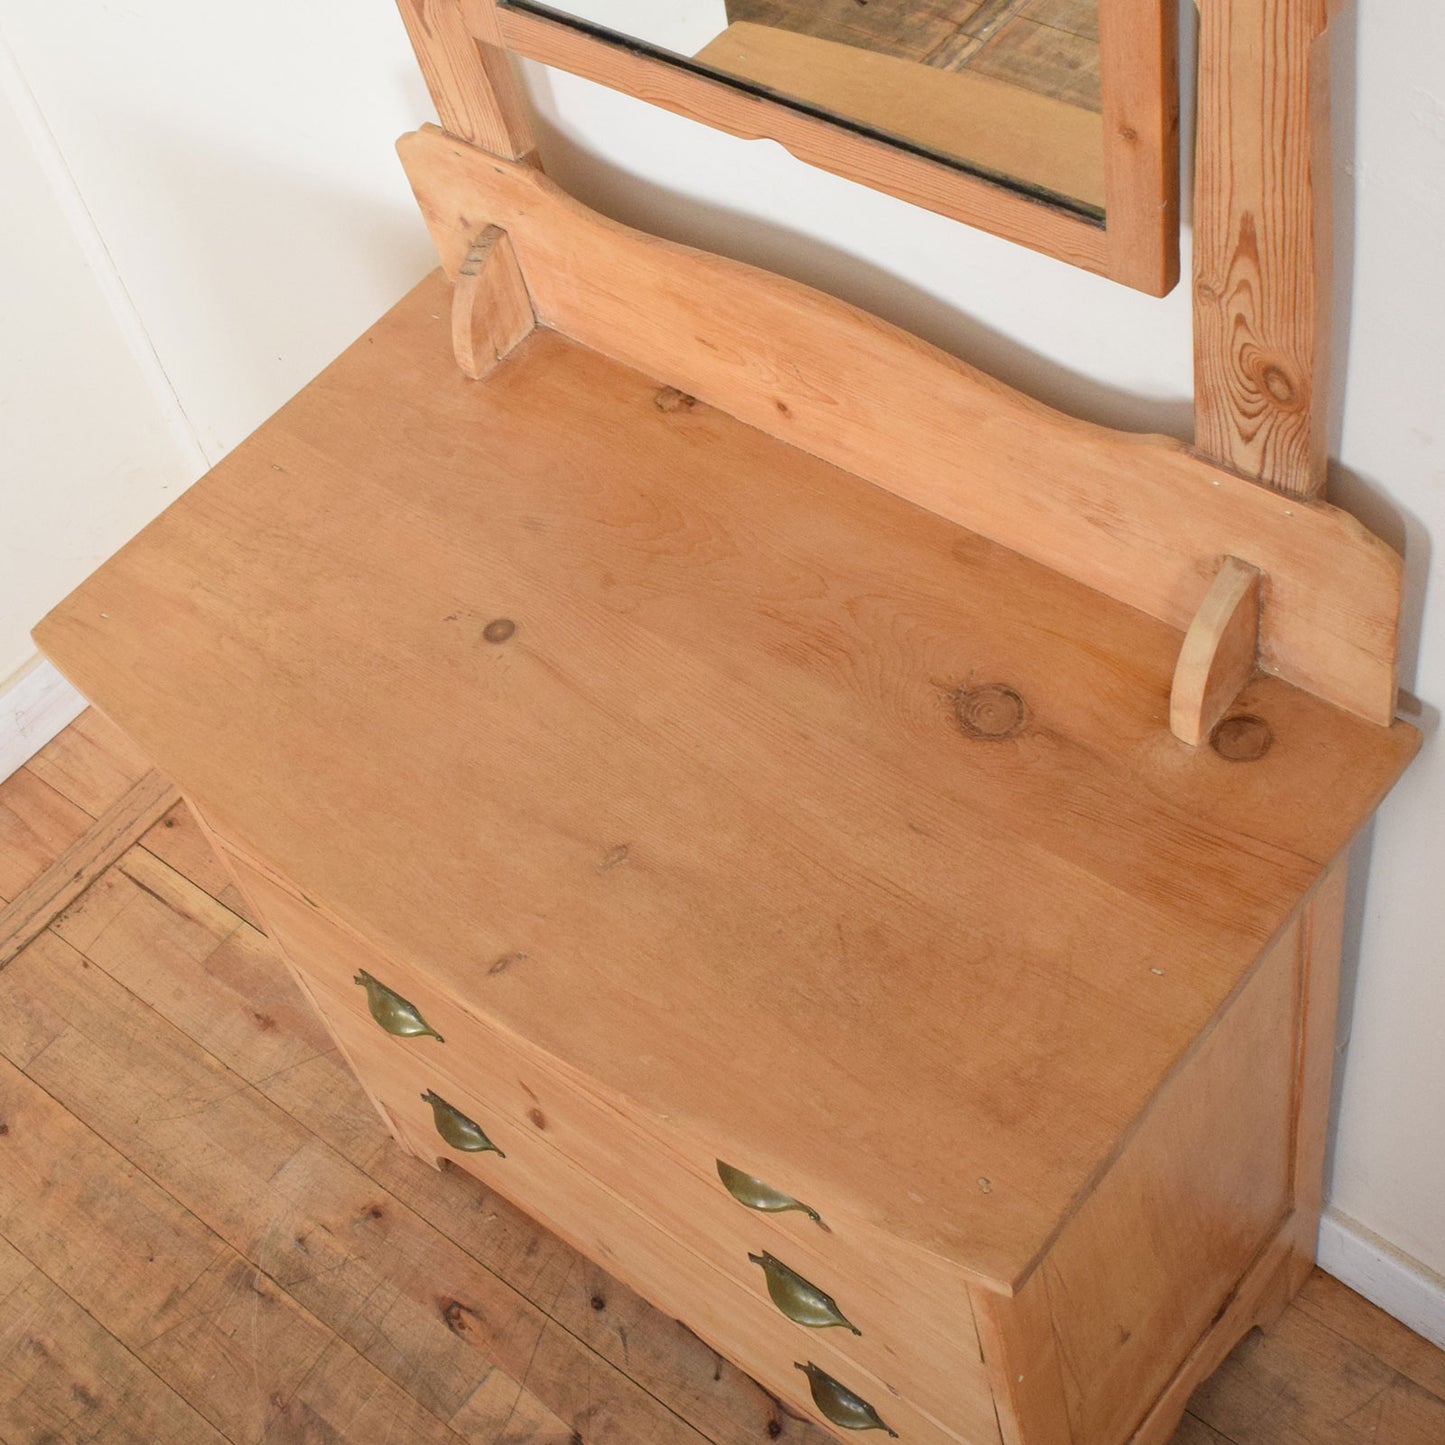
{"x": 1162, "y": 1241}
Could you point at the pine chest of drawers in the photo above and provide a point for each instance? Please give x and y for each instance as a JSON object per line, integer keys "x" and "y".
{"x": 791, "y": 896}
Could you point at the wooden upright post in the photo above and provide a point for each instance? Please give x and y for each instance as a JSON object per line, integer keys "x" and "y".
{"x": 1262, "y": 279}
{"x": 1262, "y": 240}
{"x": 471, "y": 83}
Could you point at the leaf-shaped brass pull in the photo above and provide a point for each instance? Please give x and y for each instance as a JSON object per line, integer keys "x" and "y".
{"x": 802, "y": 1302}
{"x": 845, "y": 1409}
{"x": 392, "y": 1011}
{"x": 757, "y": 1195}
{"x": 459, "y": 1131}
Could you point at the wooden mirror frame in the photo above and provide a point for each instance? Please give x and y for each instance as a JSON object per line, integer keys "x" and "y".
{"x": 1261, "y": 286}
{"x": 1136, "y": 242}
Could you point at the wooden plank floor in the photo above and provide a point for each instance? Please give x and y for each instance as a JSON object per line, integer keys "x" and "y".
{"x": 1047, "y": 46}
{"x": 205, "y": 1235}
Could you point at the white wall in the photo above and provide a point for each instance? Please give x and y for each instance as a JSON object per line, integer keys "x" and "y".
{"x": 88, "y": 451}
{"x": 237, "y": 165}
{"x": 1389, "y": 1169}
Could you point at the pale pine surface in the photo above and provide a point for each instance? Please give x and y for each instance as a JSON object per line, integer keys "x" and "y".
{"x": 205, "y": 1235}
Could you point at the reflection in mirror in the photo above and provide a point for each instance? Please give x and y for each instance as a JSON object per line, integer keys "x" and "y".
{"x": 1009, "y": 89}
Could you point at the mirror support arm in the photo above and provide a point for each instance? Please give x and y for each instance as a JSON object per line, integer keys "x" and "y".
{"x": 471, "y": 81}
{"x": 1262, "y": 256}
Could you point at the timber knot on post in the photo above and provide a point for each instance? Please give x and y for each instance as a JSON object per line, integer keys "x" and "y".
{"x": 1276, "y": 382}
{"x": 1272, "y": 379}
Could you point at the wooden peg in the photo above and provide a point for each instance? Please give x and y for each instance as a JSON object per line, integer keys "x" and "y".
{"x": 491, "y": 307}
{"x": 1219, "y": 653}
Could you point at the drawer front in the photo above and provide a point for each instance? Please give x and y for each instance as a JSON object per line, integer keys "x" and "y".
{"x": 923, "y": 1351}
{"x": 540, "y": 1180}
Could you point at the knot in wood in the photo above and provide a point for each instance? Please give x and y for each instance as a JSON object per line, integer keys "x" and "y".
{"x": 500, "y": 630}
{"x": 1277, "y": 383}
{"x": 671, "y": 399}
{"x": 1242, "y": 739}
{"x": 993, "y": 711}
{"x": 457, "y": 1316}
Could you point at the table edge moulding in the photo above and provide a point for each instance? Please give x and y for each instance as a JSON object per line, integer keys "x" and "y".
{"x": 856, "y": 851}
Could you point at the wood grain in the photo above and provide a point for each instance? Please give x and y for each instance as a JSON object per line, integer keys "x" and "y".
{"x": 1197, "y": 1192}
{"x": 1220, "y": 653}
{"x": 1193, "y": 1431}
{"x": 1262, "y": 255}
{"x": 1141, "y": 519}
{"x": 1005, "y": 129}
{"x": 151, "y": 1274}
{"x": 905, "y": 29}
{"x": 491, "y": 310}
{"x": 1339, "y": 1309}
{"x": 179, "y": 841}
{"x": 63, "y": 1377}
{"x": 1137, "y": 244}
{"x": 1335, "y": 1370}
{"x": 1301, "y": 1383}
{"x": 914, "y": 178}
{"x": 1139, "y": 44}
{"x": 272, "y": 1199}
{"x": 741, "y": 1323}
{"x": 470, "y": 80}
{"x": 912, "y": 1314}
{"x": 33, "y": 909}
{"x": 1321, "y": 946}
{"x": 1256, "y": 1300}
{"x": 1312, "y": 950}
{"x": 91, "y": 763}
{"x": 37, "y": 824}
{"x": 1022, "y": 1354}
{"x": 1078, "y": 17}
{"x": 1062, "y": 51}
{"x": 193, "y": 965}
{"x": 1030, "y": 56}
{"x": 662, "y": 570}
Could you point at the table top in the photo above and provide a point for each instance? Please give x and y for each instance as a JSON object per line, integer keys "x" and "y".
{"x": 810, "y": 820}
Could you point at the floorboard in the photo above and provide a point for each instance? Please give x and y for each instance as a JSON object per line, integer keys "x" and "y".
{"x": 37, "y": 825}
{"x": 206, "y": 1234}
{"x": 91, "y": 763}
{"x": 1047, "y": 46}
{"x": 45, "y": 898}
{"x": 64, "y": 1377}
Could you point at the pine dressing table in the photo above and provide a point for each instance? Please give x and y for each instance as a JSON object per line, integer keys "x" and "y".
{"x": 856, "y": 852}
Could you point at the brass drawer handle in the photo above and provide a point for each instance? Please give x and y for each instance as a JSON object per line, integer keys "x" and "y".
{"x": 802, "y": 1302}
{"x": 757, "y": 1195}
{"x": 459, "y": 1131}
{"x": 845, "y": 1409}
{"x": 392, "y": 1011}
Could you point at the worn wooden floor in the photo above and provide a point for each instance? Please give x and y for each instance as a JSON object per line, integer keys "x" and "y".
{"x": 1047, "y": 46}
{"x": 205, "y": 1234}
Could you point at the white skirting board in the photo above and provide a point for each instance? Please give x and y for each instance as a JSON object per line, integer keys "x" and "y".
{"x": 1401, "y": 1286}
{"x": 34, "y": 705}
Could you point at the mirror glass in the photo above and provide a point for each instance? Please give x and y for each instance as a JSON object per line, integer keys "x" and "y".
{"x": 1006, "y": 89}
